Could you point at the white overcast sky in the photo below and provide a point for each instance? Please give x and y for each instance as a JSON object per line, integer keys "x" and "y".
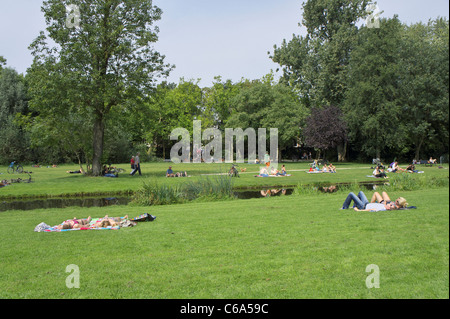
{"x": 206, "y": 38}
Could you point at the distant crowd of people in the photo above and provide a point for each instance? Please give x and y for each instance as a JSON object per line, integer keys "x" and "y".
{"x": 315, "y": 168}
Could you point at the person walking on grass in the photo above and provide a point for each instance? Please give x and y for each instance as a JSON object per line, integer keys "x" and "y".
{"x": 137, "y": 165}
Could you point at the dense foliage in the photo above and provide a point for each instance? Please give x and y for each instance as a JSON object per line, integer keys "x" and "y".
{"x": 353, "y": 91}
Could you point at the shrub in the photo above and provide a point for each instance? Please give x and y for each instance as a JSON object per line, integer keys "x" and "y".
{"x": 205, "y": 189}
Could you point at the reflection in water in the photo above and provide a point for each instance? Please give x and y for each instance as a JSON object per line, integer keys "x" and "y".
{"x": 329, "y": 189}
{"x": 263, "y": 193}
{"x": 271, "y": 192}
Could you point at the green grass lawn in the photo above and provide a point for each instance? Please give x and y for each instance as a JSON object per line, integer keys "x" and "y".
{"x": 290, "y": 247}
{"x": 56, "y": 182}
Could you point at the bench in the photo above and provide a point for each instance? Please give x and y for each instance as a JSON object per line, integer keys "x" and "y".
{"x": 425, "y": 162}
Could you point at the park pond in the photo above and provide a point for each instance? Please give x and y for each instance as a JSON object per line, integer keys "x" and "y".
{"x": 103, "y": 201}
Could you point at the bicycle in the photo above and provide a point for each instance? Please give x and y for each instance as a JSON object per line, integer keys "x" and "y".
{"x": 233, "y": 172}
{"x": 15, "y": 168}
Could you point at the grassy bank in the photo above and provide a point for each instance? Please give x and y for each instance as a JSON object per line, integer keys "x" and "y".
{"x": 299, "y": 246}
{"x": 57, "y": 182}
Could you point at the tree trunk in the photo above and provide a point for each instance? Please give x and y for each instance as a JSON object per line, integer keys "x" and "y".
{"x": 99, "y": 129}
{"x": 417, "y": 153}
{"x": 342, "y": 152}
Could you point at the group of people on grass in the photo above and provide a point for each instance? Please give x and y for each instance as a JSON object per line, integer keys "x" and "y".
{"x": 170, "y": 173}
{"x": 264, "y": 171}
{"x": 106, "y": 221}
{"x": 315, "y": 168}
{"x": 380, "y": 172}
{"x": 430, "y": 161}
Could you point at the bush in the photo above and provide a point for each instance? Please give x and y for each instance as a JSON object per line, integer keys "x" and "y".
{"x": 218, "y": 188}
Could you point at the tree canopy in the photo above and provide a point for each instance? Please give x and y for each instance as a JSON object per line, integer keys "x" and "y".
{"x": 350, "y": 88}
{"x": 97, "y": 65}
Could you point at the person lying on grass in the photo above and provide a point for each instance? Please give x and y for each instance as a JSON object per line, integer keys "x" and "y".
{"x": 4, "y": 183}
{"x": 86, "y": 222}
{"x": 384, "y": 199}
{"x": 80, "y": 171}
{"x": 108, "y": 221}
{"x": 361, "y": 203}
{"x": 75, "y": 223}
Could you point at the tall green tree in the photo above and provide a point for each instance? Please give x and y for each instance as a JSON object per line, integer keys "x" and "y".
{"x": 372, "y": 107}
{"x": 425, "y": 87}
{"x": 217, "y": 102}
{"x": 173, "y": 106}
{"x": 2, "y": 62}
{"x": 14, "y": 142}
{"x": 265, "y": 104}
{"x": 102, "y": 58}
{"x": 316, "y": 64}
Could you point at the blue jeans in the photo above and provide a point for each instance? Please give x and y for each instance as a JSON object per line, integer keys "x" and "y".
{"x": 360, "y": 200}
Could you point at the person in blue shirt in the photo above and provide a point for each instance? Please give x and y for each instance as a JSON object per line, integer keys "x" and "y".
{"x": 169, "y": 172}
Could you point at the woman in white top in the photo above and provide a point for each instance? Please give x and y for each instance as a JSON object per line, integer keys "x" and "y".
{"x": 362, "y": 203}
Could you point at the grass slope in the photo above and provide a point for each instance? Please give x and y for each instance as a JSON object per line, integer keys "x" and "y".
{"x": 299, "y": 246}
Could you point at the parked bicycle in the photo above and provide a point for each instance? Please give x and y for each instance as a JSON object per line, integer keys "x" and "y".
{"x": 15, "y": 168}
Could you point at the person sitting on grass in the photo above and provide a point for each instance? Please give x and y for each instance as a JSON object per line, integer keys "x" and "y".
{"x": 169, "y": 172}
{"x": 379, "y": 172}
{"x": 263, "y": 172}
{"x": 331, "y": 168}
{"x": 108, "y": 172}
{"x": 274, "y": 171}
{"x": 396, "y": 168}
{"x": 361, "y": 203}
{"x": 283, "y": 171}
{"x": 411, "y": 168}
